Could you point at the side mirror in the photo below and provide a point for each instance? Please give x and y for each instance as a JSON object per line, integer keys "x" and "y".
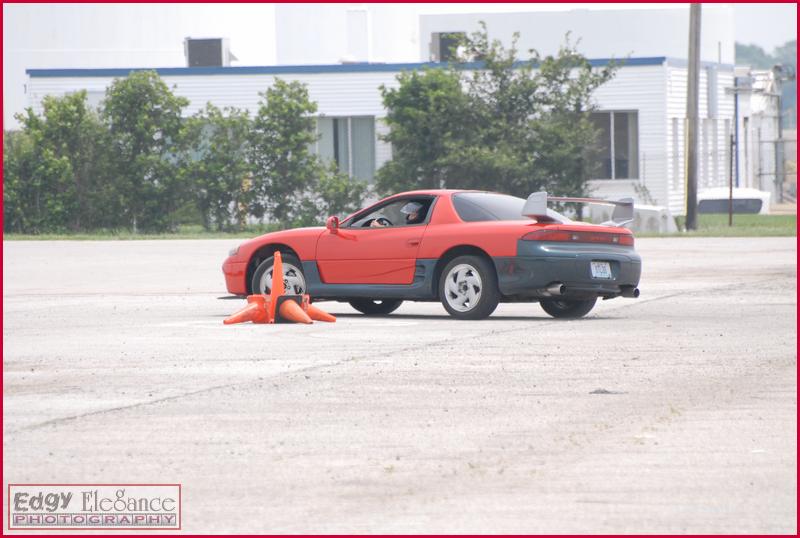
{"x": 332, "y": 224}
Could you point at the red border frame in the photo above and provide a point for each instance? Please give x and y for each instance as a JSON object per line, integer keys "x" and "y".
{"x": 2, "y": 471}
{"x": 180, "y": 511}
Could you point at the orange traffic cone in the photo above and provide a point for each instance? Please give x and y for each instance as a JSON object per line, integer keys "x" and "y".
{"x": 262, "y": 308}
{"x": 277, "y": 282}
{"x": 319, "y": 314}
{"x": 255, "y": 311}
{"x": 291, "y": 311}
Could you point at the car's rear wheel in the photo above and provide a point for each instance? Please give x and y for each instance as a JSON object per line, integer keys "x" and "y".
{"x": 560, "y": 308}
{"x": 376, "y": 307}
{"x": 468, "y": 288}
{"x": 294, "y": 281}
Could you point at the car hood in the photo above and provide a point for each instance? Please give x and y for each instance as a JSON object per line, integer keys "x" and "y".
{"x": 280, "y": 235}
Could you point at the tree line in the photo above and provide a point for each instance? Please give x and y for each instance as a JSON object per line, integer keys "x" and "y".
{"x": 486, "y": 121}
{"x": 135, "y": 163}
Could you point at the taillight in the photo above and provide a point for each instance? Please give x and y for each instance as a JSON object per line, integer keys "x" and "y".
{"x": 568, "y": 236}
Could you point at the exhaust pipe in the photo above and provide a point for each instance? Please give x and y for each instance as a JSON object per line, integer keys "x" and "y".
{"x": 629, "y": 291}
{"x": 556, "y": 288}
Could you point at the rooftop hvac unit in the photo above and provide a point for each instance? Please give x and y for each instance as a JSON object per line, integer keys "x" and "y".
{"x": 207, "y": 52}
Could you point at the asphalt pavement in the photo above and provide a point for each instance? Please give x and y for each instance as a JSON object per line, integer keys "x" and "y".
{"x": 672, "y": 413}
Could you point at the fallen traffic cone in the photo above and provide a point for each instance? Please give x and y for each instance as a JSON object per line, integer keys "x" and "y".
{"x": 289, "y": 310}
{"x": 318, "y": 314}
{"x": 278, "y": 306}
{"x": 256, "y": 311}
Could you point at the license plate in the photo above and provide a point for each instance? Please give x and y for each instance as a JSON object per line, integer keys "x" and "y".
{"x": 601, "y": 270}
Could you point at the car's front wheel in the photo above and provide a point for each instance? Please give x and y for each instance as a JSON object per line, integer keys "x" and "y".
{"x": 374, "y": 307}
{"x": 294, "y": 281}
{"x": 468, "y": 288}
{"x": 559, "y": 308}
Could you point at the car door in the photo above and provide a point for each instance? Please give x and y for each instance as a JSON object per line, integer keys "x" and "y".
{"x": 365, "y": 255}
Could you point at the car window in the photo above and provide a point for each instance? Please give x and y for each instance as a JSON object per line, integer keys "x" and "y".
{"x": 483, "y": 206}
{"x": 392, "y": 214}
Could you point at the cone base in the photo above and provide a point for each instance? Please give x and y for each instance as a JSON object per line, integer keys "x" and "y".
{"x": 254, "y": 312}
{"x": 318, "y": 314}
{"x": 291, "y": 311}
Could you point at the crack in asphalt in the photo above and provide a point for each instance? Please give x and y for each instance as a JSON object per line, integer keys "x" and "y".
{"x": 59, "y": 420}
{"x": 416, "y": 347}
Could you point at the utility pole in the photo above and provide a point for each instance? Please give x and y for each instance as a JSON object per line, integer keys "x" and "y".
{"x": 692, "y": 112}
{"x": 777, "y": 71}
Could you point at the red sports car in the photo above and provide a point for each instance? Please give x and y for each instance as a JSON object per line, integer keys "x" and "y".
{"x": 468, "y": 249}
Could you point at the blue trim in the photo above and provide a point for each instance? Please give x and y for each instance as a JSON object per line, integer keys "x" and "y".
{"x": 299, "y": 69}
{"x": 680, "y": 62}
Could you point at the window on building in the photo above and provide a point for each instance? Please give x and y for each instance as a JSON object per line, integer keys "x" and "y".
{"x": 444, "y": 45}
{"x": 350, "y": 143}
{"x": 617, "y": 144}
{"x": 727, "y": 130}
{"x": 745, "y": 147}
{"x": 705, "y": 154}
{"x": 677, "y": 169}
{"x": 715, "y": 176}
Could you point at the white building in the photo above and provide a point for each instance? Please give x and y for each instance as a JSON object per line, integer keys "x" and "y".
{"x": 49, "y": 36}
{"x": 759, "y": 158}
{"x": 344, "y": 53}
{"x": 331, "y": 33}
{"x": 641, "y": 110}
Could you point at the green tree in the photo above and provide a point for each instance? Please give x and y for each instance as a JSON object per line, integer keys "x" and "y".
{"x": 144, "y": 121}
{"x": 56, "y": 169}
{"x": 281, "y": 137}
{"x": 428, "y": 114}
{"x": 28, "y": 205}
{"x": 291, "y": 184}
{"x": 754, "y": 56}
{"x": 493, "y": 121}
{"x": 338, "y": 194}
{"x": 216, "y": 166}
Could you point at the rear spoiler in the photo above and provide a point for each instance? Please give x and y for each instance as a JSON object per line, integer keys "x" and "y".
{"x": 536, "y": 207}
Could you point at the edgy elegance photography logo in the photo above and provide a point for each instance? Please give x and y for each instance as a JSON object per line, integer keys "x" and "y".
{"x": 94, "y": 506}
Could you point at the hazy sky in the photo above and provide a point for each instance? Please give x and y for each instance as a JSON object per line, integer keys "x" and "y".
{"x": 767, "y": 25}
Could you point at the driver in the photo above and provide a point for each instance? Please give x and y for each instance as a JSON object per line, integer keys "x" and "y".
{"x": 412, "y": 211}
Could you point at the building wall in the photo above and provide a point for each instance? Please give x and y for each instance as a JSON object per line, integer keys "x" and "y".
{"x": 715, "y": 126}
{"x": 758, "y": 130}
{"x": 121, "y": 35}
{"x": 656, "y": 91}
{"x": 602, "y": 33}
{"x": 335, "y": 33}
{"x": 331, "y": 33}
{"x": 113, "y": 35}
{"x": 640, "y": 89}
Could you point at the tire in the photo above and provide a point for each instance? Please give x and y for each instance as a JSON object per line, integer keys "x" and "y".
{"x": 468, "y": 288}
{"x": 294, "y": 280}
{"x": 567, "y": 309}
{"x": 376, "y": 307}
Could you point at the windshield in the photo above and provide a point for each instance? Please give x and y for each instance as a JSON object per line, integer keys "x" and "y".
{"x": 482, "y": 206}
